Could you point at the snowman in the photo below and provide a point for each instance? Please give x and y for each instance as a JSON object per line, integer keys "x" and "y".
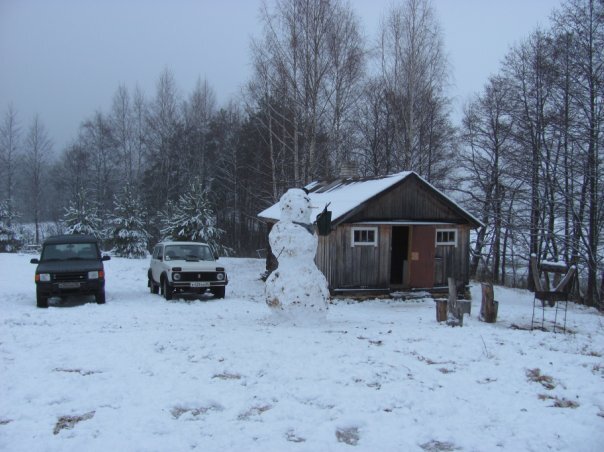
{"x": 296, "y": 290}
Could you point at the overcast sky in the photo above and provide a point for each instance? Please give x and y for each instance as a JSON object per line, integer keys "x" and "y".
{"x": 64, "y": 59}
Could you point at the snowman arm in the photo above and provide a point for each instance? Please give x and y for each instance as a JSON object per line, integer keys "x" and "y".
{"x": 308, "y": 227}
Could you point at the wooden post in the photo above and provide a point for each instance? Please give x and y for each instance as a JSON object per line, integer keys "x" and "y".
{"x": 455, "y": 316}
{"x": 489, "y": 307}
{"x": 441, "y": 310}
{"x": 601, "y": 293}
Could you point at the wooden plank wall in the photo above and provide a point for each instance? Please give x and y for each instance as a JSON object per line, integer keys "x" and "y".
{"x": 368, "y": 266}
{"x": 361, "y": 266}
{"x": 454, "y": 259}
{"x": 409, "y": 201}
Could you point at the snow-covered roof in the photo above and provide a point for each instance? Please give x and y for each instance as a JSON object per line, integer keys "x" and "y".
{"x": 344, "y": 195}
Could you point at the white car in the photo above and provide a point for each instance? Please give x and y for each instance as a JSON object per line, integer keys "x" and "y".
{"x": 185, "y": 267}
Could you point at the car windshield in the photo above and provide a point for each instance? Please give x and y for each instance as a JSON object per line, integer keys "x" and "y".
{"x": 69, "y": 251}
{"x": 188, "y": 253}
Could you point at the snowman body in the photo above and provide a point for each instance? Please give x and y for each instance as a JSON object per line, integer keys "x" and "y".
{"x": 296, "y": 289}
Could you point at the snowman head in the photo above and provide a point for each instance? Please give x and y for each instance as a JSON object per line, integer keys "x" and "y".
{"x": 295, "y": 206}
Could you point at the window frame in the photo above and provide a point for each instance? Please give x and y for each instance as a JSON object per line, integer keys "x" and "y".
{"x": 448, "y": 243}
{"x": 354, "y": 243}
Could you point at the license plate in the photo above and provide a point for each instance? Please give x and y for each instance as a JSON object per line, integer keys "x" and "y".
{"x": 200, "y": 284}
{"x": 69, "y": 285}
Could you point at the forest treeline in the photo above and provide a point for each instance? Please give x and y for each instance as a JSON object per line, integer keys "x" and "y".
{"x": 525, "y": 158}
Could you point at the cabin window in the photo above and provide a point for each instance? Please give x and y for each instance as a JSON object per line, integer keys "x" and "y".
{"x": 364, "y": 236}
{"x": 446, "y": 237}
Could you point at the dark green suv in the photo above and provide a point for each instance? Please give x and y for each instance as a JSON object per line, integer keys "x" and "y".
{"x": 70, "y": 265}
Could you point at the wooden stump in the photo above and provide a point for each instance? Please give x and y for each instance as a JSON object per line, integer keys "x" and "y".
{"x": 489, "y": 307}
{"x": 441, "y": 310}
{"x": 466, "y": 307}
{"x": 455, "y": 316}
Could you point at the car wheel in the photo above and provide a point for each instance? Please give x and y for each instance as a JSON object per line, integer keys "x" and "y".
{"x": 218, "y": 292}
{"x": 167, "y": 290}
{"x": 41, "y": 300}
{"x": 100, "y": 297}
{"x": 153, "y": 288}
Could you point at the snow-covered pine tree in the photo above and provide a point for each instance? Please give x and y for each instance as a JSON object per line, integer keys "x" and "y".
{"x": 127, "y": 230}
{"x": 9, "y": 238}
{"x": 81, "y": 217}
{"x": 192, "y": 218}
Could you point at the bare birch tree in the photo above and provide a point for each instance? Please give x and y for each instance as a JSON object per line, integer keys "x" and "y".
{"x": 415, "y": 73}
{"x": 9, "y": 153}
{"x": 347, "y": 54}
{"x": 308, "y": 63}
{"x": 487, "y": 135}
{"x": 583, "y": 22}
{"x": 139, "y": 126}
{"x": 122, "y": 129}
{"x": 97, "y": 140}
{"x": 164, "y": 127}
{"x": 198, "y": 113}
{"x": 36, "y": 158}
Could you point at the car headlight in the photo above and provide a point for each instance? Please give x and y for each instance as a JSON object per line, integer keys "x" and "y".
{"x": 44, "y": 277}
{"x": 93, "y": 275}
{"x": 219, "y": 276}
{"x": 176, "y": 276}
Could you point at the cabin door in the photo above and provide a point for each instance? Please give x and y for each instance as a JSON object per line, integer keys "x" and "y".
{"x": 399, "y": 264}
{"x": 421, "y": 257}
{"x": 443, "y": 264}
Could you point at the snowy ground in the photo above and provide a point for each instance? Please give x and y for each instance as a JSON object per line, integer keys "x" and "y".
{"x": 140, "y": 373}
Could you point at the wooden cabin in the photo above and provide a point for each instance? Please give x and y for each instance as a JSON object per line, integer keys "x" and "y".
{"x": 389, "y": 233}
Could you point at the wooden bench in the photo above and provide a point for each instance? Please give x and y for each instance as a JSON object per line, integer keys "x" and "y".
{"x": 556, "y": 297}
